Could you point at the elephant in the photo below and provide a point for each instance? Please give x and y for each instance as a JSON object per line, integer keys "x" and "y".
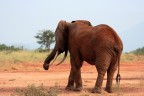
{"x": 97, "y": 45}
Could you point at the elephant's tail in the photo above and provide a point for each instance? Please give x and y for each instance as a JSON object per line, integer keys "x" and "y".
{"x": 118, "y": 77}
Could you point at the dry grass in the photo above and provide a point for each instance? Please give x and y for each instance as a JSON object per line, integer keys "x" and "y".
{"x": 32, "y": 61}
{"x": 21, "y": 56}
{"x": 53, "y": 91}
{"x": 24, "y": 60}
{"x": 29, "y": 60}
{"x": 132, "y": 58}
{"x": 17, "y": 60}
{"x": 32, "y": 90}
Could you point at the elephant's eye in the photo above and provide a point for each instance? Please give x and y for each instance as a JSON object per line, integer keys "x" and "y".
{"x": 59, "y": 28}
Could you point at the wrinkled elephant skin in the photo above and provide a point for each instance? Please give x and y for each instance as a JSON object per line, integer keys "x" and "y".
{"x": 98, "y": 45}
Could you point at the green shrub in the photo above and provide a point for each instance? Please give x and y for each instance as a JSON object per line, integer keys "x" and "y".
{"x": 139, "y": 51}
{"x": 4, "y": 47}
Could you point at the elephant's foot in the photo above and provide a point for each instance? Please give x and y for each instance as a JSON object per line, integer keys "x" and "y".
{"x": 109, "y": 89}
{"x": 78, "y": 89}
{"x": 96, "y": 90}
{"x": 69, "y": 88}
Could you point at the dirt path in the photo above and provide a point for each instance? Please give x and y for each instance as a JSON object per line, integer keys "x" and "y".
{"x": 132, "y": 82}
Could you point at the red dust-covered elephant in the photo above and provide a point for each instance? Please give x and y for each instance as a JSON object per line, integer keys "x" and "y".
{"x": 98, "y": 45}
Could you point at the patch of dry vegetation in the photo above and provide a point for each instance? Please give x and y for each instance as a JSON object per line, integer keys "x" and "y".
{"x": 24, "y": 60}
{"x": 130, "y": 57}
{"x": 33, "y": 60}
{"x": 32, "y": 90}
{"x": 17, "y": 60}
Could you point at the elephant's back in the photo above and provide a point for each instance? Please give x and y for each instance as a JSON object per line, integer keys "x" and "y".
{"x": 107, "y": 36}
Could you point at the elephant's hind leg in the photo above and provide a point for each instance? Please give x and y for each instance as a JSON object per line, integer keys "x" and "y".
{"x": 99, "y": 81}
{"x": 102, "y": 64}
{"x": 110, "y": 74}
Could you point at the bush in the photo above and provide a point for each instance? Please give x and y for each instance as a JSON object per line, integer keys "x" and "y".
{"x": 32, "y": 90}
{"x": 41, "y": 50}
{"x": 4, "y": 47}
{"x": 53, "y": 91}
{"x": 139, "y": 51}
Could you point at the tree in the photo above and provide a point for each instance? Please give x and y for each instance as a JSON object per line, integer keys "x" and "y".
{"x": 46, "y": 38}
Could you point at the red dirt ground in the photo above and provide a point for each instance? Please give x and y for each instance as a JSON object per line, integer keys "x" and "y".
{"x": 132, "y": 82}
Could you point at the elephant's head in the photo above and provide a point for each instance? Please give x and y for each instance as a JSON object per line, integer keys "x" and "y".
{"x": 61, "y": 37}
{"x": 60, "y": 46}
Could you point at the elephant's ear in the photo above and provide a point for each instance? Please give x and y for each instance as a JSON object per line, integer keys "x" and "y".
{"x": 73, "y": 21}
{"x": 82, "y": 21}
{"x": 61, "y": 36}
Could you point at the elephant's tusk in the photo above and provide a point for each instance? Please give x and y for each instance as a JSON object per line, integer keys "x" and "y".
{"x": 54, "y": 58}
{"x": 62, "y": 59}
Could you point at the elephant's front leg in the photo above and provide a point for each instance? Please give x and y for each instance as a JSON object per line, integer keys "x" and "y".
{"x": 78, "y": 79}
{"x": 75, "y": 74}
{"x": 70, "y": 85}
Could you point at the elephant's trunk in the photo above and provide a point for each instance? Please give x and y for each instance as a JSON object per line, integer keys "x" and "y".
{"x": 48, "y": 59}
{"x": 52, "y": 56}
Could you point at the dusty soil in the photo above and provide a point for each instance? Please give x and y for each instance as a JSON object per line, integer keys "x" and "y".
{"x": 132, "y": 83}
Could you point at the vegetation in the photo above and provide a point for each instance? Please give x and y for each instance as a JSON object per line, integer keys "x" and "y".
{"x": 32, "y": 90}
{"x": 21, "y": 60}
{"x": 4, "y": 47}
{"x": 46, "y": 38}
{"x": 131, "y": 57}
{"x": 24, "y": 60}
{"x": 53, "y": 91}
{"x": 139, "y": 51}
{"x": 14, "y": 59}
